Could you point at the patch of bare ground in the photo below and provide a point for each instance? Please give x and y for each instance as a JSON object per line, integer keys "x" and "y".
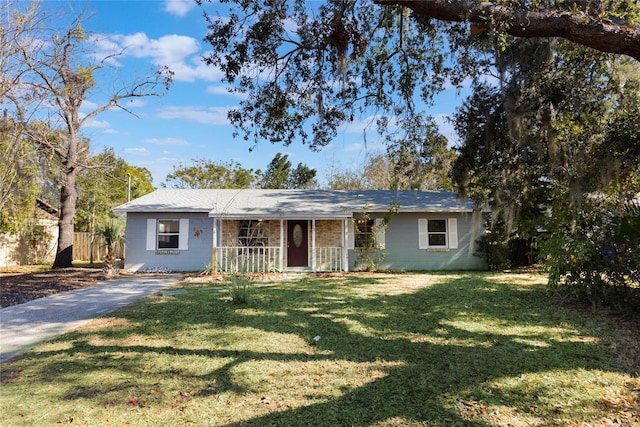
{"x": 19, "y": 287}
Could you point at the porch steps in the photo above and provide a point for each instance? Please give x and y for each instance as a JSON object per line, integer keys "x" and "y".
{"x": 298, "y": 270}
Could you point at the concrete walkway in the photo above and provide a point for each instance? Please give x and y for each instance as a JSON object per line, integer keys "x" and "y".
{"x": 23, "y": 326}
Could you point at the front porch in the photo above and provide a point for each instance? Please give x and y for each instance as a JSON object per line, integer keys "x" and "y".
{"x": 268, "y": 259}
{"x": 279, "y": 245}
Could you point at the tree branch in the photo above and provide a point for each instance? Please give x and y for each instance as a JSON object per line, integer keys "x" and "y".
{"x": 579, "y": 26}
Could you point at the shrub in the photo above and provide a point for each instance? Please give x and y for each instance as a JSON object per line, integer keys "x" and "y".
{"x": 494, "y": 251}
{"x": 239, "y": 282}
{"x": 112, "y": 231}
{"x": 595, "y": 256}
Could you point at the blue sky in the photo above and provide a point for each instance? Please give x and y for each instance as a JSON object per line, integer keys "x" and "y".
{"x": 190, "y": 120}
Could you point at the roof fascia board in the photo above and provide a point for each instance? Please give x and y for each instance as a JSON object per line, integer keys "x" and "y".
{"x": 280, "y": 216}
{"x": 157, "y": 210}
{"x": 415, "y": 210}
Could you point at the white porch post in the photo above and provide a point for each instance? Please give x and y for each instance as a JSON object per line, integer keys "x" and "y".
{"x": 281, "y": 257}
{"x": 214, "y": 249}
{"x": 313, "y": 245}
{"x": 345, "y": 245}
{"x": 221, "y": 239}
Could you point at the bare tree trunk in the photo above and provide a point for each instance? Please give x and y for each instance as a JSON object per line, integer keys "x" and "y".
{"x": 68, "y": 197}
{"x": 66, "y": 226}
{"x": 51, "y": 76}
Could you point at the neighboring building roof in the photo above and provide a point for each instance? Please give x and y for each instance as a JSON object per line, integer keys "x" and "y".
{"x": 46, "y": 207}
{"x": 294, "y": 203}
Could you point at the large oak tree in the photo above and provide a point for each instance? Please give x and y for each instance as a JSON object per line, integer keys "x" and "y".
{"x": 608, "y": 26}
{"x": 56, "y": 75}
{"x": 304, "y": 69}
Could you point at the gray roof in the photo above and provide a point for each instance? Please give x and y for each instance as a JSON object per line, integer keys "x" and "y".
{"x": 294, "y": 203}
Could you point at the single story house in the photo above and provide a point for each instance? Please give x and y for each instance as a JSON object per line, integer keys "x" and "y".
{"x": 308, "y": 230}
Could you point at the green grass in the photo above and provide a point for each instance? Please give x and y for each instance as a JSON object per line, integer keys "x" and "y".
{"x": 394, "y": 350}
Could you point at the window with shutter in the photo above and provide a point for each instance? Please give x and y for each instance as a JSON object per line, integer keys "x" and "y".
{"x": 380, "y": 233}
{"x": 438, "y": 233}
{"x": 363, "y": 229}
{"x": 167, "y": 234}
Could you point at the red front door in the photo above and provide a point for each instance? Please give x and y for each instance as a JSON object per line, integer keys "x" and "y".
{"x": 297, "y": 243}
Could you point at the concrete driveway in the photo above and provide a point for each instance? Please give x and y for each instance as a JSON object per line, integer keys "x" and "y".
{"x": 25, "y": 325}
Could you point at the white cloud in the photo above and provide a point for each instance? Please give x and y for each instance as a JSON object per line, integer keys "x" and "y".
{"x": 222, "y": 90}
{"x": 106, "y": 48}
{"x": 167, "y": 141}
{"x": 88, "y": 105}
{"x": 217, "y": 90}
{"x": 136, "y": 151}
{"x": 196, "y": 69}
{"x": 166, "y": 50}
{"x": 181, "y": 54}
{"x": 97, "y": 124}
{"x": 290, "y": 25}
{"x": 179, "y": 7}
{"x": 133, "y": 103}
{"x": 199, "y": 114}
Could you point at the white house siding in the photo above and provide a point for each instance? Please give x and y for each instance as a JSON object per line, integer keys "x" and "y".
{"x": 402, "y": 245}
{"x": 18, "y": 250}
{"x": 196, "y": 256}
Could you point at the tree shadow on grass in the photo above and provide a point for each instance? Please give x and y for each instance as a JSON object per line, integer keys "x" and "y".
{"x": 438, "y": 367}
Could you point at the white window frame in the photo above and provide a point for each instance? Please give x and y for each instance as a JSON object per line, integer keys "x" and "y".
{"x": 432, "y": 233}
{"x": 253, "y": 233}
{"x": 377, "y": 225}
{"x": 450, "y": 233}
{"x": 153, "y": 231}
{"x": 171, "y": 235}
{"x": 364, "y": 235}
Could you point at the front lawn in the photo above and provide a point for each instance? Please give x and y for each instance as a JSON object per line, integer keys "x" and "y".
{"x": 466, "y": 349}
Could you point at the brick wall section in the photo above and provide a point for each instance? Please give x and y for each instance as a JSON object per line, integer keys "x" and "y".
{"x": 274, "y": 232}
{"x": 230, "y": 233}
{"x": 328, "y": 233}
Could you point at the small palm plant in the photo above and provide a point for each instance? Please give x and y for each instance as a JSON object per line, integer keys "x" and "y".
{"x": 112, "y": 233}
{"x": 239, "y": 282}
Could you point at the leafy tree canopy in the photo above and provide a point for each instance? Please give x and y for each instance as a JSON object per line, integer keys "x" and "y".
{"x": 20, "y": 178}
{"x": 552, "y": 144}
{"x": 280, "y": 175}
{"x": 202, "y": 173}
{"x": 605, "y": 25}
{"x": 305, "y": 70}
{"x": 104, "y": 183}
{"x": 557, "y": 123}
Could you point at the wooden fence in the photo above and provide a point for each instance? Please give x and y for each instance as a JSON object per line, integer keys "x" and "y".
{"x": 17, "y": 251}
{"x": 87, "y": 247}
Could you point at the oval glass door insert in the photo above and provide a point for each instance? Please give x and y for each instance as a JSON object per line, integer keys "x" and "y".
{"x": 297, "y": 235}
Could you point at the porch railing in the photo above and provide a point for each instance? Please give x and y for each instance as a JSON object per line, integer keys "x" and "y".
{"x": 263, "y": 259}
{"x": 329, "y": 259}
{"x": 259, "y": 259}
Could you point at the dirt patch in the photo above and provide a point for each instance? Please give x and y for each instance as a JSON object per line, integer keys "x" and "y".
{"x": 18, "y": 288}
